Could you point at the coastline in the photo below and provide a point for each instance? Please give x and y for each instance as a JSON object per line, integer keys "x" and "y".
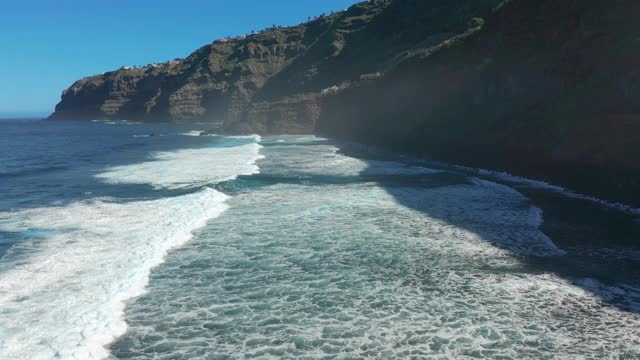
{"x": 590, "y": 223}
{"x": 408, "y": 226}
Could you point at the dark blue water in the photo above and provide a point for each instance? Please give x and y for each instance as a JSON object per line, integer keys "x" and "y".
{"x": 53, "y": 163}
{"x": 45, "y": 163}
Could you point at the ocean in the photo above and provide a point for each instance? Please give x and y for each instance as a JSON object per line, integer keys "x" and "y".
{"x": 146, "y": 241}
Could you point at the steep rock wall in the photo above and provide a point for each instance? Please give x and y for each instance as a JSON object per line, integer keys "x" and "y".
{"x": 546, "y": 89}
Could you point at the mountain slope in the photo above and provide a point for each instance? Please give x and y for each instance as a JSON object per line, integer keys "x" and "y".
{"x": 546, "y": 89}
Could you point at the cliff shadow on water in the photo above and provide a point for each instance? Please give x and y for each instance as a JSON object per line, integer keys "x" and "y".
{"x": 599, "y": 246}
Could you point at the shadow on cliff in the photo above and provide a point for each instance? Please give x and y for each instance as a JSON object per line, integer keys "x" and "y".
{"x": 599, "y": 244}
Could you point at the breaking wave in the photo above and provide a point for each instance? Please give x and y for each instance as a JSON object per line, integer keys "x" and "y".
{"x": 63, "y": 291}
{"x": 188, "y": 168}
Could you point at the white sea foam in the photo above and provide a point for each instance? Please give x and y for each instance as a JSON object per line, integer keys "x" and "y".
{"x": 507, "y": 177}
{"x": 356, "y": 270}
{"x": 483, "y": 205}
{"x": 66, "y": 299}
{"x": 188, "y": 167}
{"x": 63, "y": 293}
{"x": 255, "y": 138}
{"x": 192, "y": 133}
{"x": 327, "y": 160}
{"x": 359, "y": 270}
{"x": 538, "y": 184}
{"x": 117, "y": 122}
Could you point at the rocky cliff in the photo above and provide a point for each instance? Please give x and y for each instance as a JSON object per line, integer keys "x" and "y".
{"x": 269, "y": 82}
{"x": 546, "y": 89}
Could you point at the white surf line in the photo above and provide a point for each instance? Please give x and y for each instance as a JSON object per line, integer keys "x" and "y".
{"x": 191, "y": 133}
{"x": 505, "y": 177}
{"x": 66, "y": 300}
{"x": 188, "y": 168}
{"x": 538, "y": 184}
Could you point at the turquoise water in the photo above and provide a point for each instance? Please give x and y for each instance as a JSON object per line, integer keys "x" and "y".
{"x": 186, "y": 247}
{"x": 309, "y": 266}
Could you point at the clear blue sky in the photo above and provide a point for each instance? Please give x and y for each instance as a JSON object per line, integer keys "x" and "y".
{"x": 46, "y": 45}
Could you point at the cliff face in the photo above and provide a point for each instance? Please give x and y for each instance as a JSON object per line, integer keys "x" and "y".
{"x": 205, "y": 86}
{"x": 547, "y": 89}
{"x": 269, "y": 82}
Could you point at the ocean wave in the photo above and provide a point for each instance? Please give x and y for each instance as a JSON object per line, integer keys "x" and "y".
{"x": 360, "y": 270}
{"x": 326, "y": 159}
{"x": 67, "y": 299}
{"x": 502, "y": 177}
{"x": 475, "y": 204}
{"x": 256, "y": 138}
{"x": 64, "y": 293}
{"x": 192, "y": 133}
{"x": 188, "y": 168}
{"x": 117, "y": 122}
{"x": 536, "y": 244}
{"x": 539, "y": 184}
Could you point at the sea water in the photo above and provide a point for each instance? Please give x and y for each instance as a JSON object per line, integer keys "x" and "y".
{"x": 116, "y": 244}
